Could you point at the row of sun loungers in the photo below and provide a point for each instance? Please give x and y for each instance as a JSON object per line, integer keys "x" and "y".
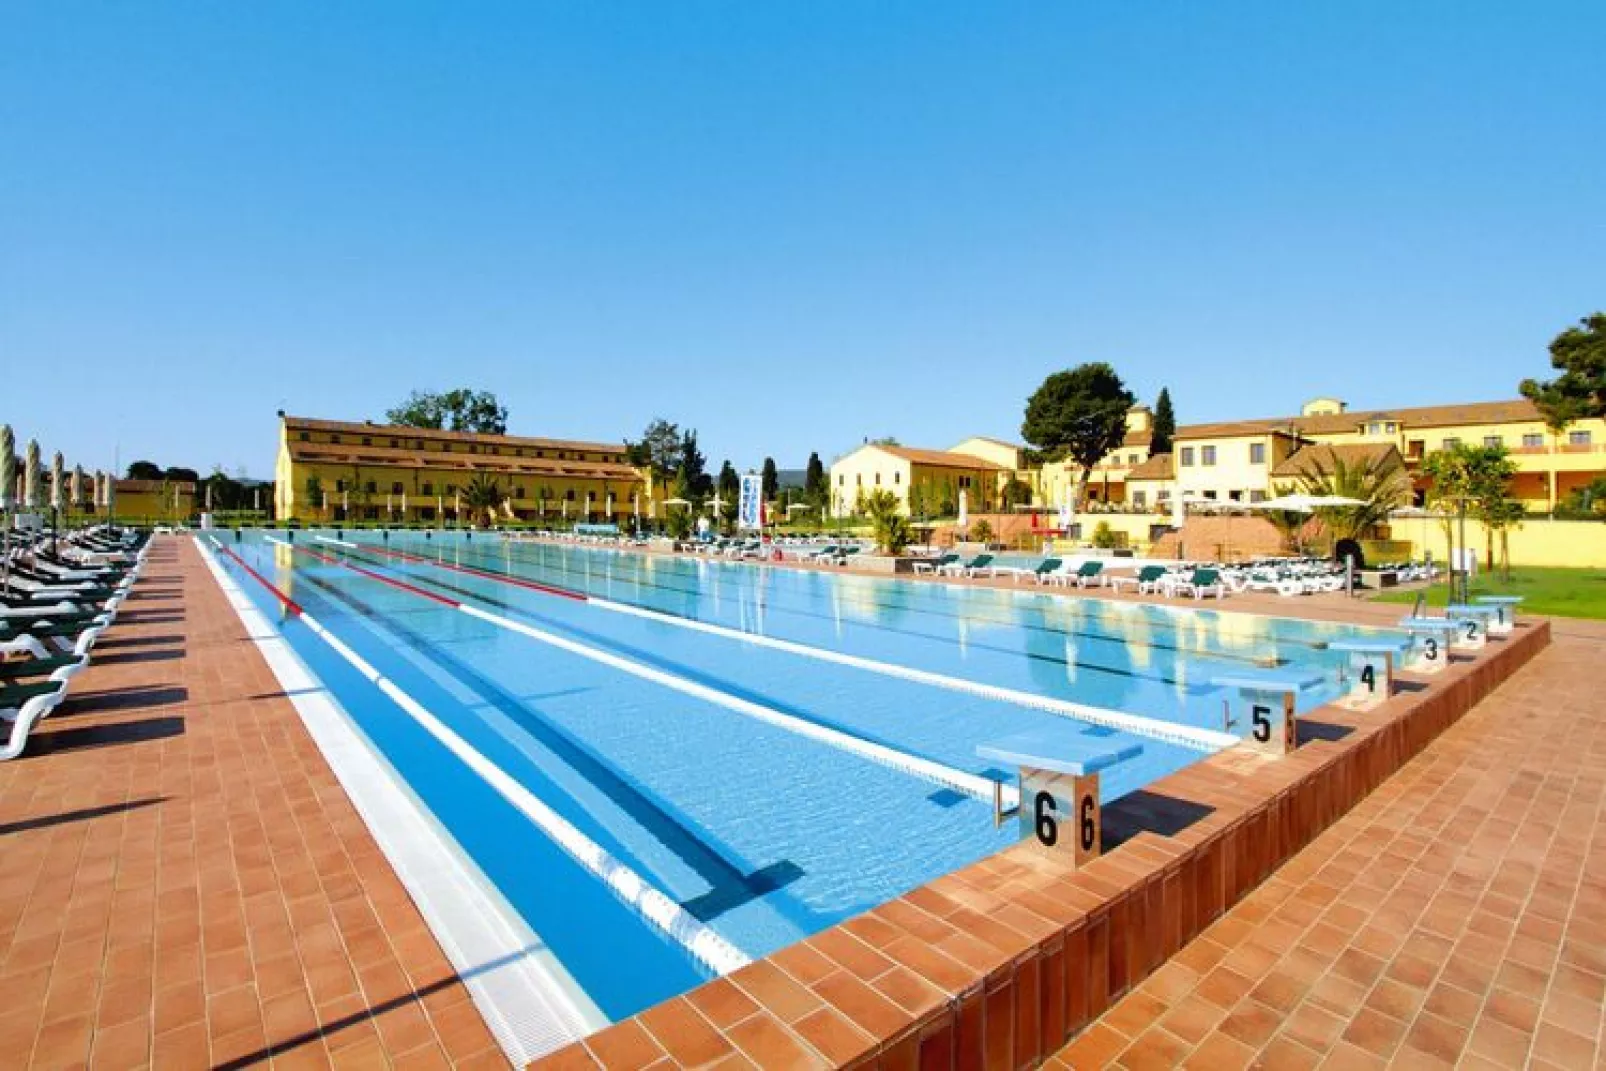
{"x": 56, "y": 598}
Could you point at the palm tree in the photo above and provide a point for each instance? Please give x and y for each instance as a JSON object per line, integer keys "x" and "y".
{"x": 483, "y": 495}
{"x": 1378, "y": 481}
{"x": 891, "y": 527}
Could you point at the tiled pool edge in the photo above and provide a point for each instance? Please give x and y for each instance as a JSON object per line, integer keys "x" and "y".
{"x": 520, "y": 992}
{"x": 1000, "y": 963}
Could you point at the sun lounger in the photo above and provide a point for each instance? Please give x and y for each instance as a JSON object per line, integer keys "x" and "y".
{"x": 936, "y": 564}
{"x": 1200, "y": 583}
{"x": 1090, "y": 572}
{"x": 1144, "y": 580}
{"x": 23, "y": 705}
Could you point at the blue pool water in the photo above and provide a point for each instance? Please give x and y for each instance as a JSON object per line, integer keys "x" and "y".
{"x": 761, "y": 832}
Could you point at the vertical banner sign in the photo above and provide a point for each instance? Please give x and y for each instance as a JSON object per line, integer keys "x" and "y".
{"x": 750, "y": 507}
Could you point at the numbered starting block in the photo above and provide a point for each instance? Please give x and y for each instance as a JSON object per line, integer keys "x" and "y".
{"x": 1261, "y": 705}
{"x": 1370, "y": 672}
{"x": 1474, "y": 622}
{"x": 1059, "y": 785}
{"x": 1431, "y": 638}
{"x": 1506, "y": 619}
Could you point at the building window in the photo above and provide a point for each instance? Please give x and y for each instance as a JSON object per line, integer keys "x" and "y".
{"x": 1257, "y": 496}
{"x": 429, "y": 488}
{"x": 312, "y": 484}
{"x": 396, "y": 488}
{"x": 1578, "y": 438}
{"x": 1207, "y": 455}
{"x": 1187, "y": 457}
{"x": 1236, "y": 496}
{"x": 1257, "y": 453}
{"x": 1374, "y": 428}
{"x": 518, "y": 492}
{"x": 1451, "y": 444}
{"x": 569, "y": 494}
{"x": 878, "y": 479}
{"x": 366, "y": 441}
{"x": 1391, "y": 427}
{"x": 842, "y": 479}
{"x": 1211, "y": 495}
{"x": 858, "y": 479}
{"x": 371, "y": 487}
{"x": 334, "y": 438}
{"x": 1533, "y": 440}
{"x": 1493, "y": 441}
{"x": 1140, "y": 498}
{"x": 393, "y": 443}
{"x": 1131, "y": 459}
{"x": 340, "y": 485}
{"x": 305, "y": 437}
{"x": 897, "y": 477}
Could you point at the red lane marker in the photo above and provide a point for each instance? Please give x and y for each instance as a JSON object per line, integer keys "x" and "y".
{"x": 289, "y": 603}
{"x": 520, "y": 582}
{"x": 400, "y": 585}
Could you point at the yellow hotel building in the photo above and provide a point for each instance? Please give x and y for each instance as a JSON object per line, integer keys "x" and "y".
{"x": 329, "y": 471}
{"x": 1246, "y": 461}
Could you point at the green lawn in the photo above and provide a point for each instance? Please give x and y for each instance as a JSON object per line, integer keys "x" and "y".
{"x": 1561, "y": 592}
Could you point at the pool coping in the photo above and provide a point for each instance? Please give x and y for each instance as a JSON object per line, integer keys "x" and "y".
{"x": 526, "y": 998}
{"x": 1003, "y": 961}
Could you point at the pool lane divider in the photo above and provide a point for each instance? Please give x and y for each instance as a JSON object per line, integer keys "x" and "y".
{"x": 1137, "y": 724}
{"x": 661, "y": 911}
{"x": 974, "y": 785}
{"x": 335, "y": 542}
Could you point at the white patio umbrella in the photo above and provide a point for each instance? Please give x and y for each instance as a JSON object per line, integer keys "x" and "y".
{"x": 111, "y": 496}
{"x": 8, "y": 467}
{"x": 33, "y": 484}
{"x": 75, "y": 487}
{"x": 676, "y": 502}
{"x": 58, "y": 484}
{"x": 1302, "y": 503}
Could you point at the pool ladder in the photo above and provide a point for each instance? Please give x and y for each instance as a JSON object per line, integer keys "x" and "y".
{"x": 1000, "y": 812}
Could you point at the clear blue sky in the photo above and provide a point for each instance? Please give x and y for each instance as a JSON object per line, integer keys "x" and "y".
{"x": 788, "y": 225}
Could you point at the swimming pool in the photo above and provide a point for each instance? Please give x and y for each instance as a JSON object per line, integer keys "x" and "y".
{"x": 666, "y": 765}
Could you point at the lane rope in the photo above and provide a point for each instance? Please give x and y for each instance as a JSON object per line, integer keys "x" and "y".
{"x": 1188, "y": 736}
{"x": 973, "y": 785}
{"x": 659, "y": 909}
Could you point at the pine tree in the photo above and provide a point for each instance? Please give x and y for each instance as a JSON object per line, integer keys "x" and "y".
{"x": 1165, "y": 424}
{"x": 815, "y": 488}
{"x": 771, "y": 479}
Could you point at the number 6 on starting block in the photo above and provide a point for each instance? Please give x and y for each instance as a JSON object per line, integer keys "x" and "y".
{"x": 1059, "y": 785}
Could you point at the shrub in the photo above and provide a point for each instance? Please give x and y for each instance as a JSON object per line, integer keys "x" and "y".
{"x": 887, "y": 522}
{"x": 1105, "y": 537}
{"x": 981, "y": 531}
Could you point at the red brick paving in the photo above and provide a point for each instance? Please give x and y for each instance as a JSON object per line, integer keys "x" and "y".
{"x": 1452, "y": 919}
{"x": 184, "y": 882}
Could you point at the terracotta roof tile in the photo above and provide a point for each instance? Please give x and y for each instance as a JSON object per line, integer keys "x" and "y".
{"x": 941, "y": 458}
{"x": 1157, "y": 467}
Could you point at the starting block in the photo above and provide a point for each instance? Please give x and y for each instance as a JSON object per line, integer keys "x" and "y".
{"x": 1265, "y": 703}
{"x": 1433, "y": 637}
{"x": 1370, "y": 671}
{"x": 1059, "y": 783}
{"x": 1506, "y": 620}
{"x": 1474, "y": 622}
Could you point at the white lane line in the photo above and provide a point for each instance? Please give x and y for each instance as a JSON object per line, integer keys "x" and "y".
{"x": 701, "y": 942}
{"x": 336, "y": 542}
{"x": 1137, "y": 724}
{"x": 1188, "y": 736}
{"x": 970, "y": 784}
{"x": 528, "y": 998}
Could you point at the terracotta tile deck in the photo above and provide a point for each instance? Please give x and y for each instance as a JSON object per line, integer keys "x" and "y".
{"x": 184, "y": 883}
{"x": 1453, "y": 918}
